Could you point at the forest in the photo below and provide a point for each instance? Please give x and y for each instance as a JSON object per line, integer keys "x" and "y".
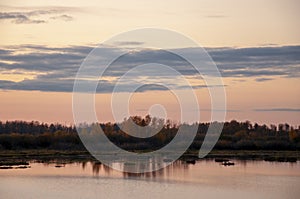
{"x": 19, "y": 135}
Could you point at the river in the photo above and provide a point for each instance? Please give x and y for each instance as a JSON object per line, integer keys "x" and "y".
{"x": 204, "y": 179}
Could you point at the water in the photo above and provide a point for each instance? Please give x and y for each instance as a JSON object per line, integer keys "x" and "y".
{"x": 205, "y": 179}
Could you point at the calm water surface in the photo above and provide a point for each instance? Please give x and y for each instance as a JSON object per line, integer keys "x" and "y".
{"x": 205, "y": 179}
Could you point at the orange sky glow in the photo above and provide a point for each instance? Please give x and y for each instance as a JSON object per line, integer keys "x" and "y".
{"x": 271, "y": 97}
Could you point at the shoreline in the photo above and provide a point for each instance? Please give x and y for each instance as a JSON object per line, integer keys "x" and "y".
{"x": 43, "y": 155}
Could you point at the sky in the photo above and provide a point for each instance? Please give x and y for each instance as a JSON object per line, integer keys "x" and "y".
{"x": 255, "y": 45}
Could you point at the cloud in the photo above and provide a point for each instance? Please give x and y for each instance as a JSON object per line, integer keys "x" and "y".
{"x": 63, "y": 17}
{"x": 19, "y": 18}
{"x": 56, "y": 68}
{"x": 34, "y": 17}
{"x": 278, "y": 110}
{"x": 256, "y": 62}
{"x": 263, "y": 79}
{"x": 129, "y": 43}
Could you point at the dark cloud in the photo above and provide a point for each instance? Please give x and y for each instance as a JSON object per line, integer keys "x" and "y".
{"x": 263, "y": 79}
{"x": 252, "y": 73}
{"x": 44, "y": 59}
{"x": 244, "y": 62}
{"x": 39, "y": 84}
{"x": 63, "y": 17}
{"x": 57, "y": 67}
{"x": 129, "y": 43}
{"x": 19, "y": 18}
{"x": 30, "y": 17}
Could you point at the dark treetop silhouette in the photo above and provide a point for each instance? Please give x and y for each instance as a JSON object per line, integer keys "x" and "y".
{"x": 18, "y": 135}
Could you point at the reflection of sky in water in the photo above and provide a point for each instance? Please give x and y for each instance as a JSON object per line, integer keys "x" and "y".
{"x": 178, "y": 171}
{"x": 247, "y": 179}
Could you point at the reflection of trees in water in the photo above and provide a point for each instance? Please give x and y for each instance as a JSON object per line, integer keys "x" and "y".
{"x": 177, "y": 165}
{"x": 83, "y": 165}
{"x": 106, "y": 169}
{"x": 97, "y": 167}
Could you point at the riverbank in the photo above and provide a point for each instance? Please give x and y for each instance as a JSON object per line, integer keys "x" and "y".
{"x": 11, "y": 156}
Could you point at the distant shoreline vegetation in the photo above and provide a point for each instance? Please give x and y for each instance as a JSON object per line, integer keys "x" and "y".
{"x": 21, "y": 135}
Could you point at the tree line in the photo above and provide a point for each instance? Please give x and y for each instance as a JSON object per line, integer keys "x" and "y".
{"x": 18, "y": 135}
